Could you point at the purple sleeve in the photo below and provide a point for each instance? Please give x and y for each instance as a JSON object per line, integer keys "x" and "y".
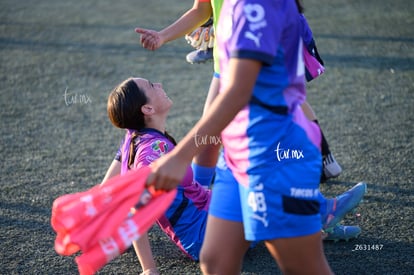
{"x": 256, "y": 30}
{"x": 118, "y": 155}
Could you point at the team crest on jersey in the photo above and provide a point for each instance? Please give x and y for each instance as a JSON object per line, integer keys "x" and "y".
{"x": 160, "y": 146}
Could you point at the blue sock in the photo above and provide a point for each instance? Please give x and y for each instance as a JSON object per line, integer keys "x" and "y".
{"x": 202, "y": 174}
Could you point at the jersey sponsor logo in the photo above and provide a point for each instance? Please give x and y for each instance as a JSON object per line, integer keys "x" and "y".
{"x": 160, "y": 146}
{"x": 255, "y": 39}
{"x": 304, "y": 192}
{"x": 255, "y": 14}
{"x": 261, "y": 218}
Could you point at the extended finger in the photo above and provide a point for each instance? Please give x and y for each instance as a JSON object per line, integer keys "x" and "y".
{"x": 141, "y": 31}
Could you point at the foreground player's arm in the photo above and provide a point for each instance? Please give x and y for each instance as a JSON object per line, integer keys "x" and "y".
{"x": 170, "y": 169}
{"x": 193, "y": 18}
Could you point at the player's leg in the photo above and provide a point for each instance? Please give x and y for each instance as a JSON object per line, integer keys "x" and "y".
{"x": 309, "y": 113}
{"x": 212, "y": 92}
{"x": 205, "y": 162}
{"x": 331, "y": 168}
{"x": 223, "y": 247}
{"x": 300, "y": 255}
{"x": 224, "y": 244}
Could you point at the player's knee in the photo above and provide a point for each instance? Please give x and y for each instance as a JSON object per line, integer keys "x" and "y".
{"x": 215, "y": 263}
{"x": 207, "y": 262}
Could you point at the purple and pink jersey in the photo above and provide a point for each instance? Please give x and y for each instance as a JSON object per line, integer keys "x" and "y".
{"x": 186, "y": 218}
{"x": 271, "y": 150}
{"x": 269, "y": 32}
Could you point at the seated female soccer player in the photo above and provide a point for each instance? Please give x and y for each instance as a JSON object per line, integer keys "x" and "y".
{"x": 142, "y": 107}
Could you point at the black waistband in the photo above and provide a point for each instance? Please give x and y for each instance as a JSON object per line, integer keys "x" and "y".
{"x": 179, "y": 211}
{"x": 279, "y": 109}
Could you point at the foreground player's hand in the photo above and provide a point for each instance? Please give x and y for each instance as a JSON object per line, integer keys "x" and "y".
{"x": 167, "y": 172}
{"x": 149, "y": 39}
